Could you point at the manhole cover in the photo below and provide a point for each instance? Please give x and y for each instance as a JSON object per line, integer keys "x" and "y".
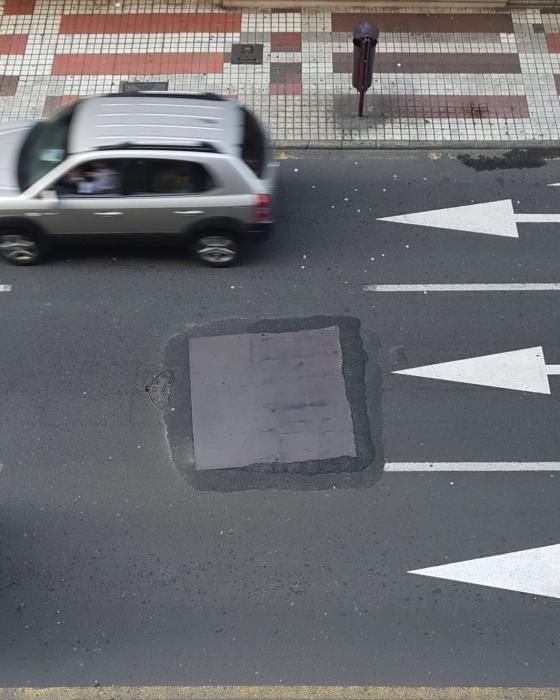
{"x": 269, "y": 398}
{"x": 538, "y": 28}
{"x": 159, "y": 389}
{"x": 247, "y": 54}
{"x": 134, "y": 86}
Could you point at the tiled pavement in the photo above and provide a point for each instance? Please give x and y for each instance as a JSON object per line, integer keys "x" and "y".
{"x": 446, "y": 78}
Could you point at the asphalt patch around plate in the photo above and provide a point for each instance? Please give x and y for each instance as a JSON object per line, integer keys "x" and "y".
{"x": 275, "y": 404}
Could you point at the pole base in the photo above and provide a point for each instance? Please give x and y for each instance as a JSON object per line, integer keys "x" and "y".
{"x": 361, "y": 104}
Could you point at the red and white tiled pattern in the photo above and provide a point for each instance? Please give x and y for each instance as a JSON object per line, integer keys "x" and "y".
{"x": 446, "y": 78}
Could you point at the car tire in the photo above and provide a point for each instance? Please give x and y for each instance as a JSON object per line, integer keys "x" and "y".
{"x": 21, "y": 247}
{"x": 216, "y": 249}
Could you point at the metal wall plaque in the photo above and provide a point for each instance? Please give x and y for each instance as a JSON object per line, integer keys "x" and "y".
{"x": 247, "y": 54}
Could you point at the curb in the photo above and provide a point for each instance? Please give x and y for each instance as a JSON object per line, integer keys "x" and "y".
{"x": 343, "y": 145}
{"x": 435, "y": 6}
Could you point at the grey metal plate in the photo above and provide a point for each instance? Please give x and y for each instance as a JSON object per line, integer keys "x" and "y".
{"x": 269, "y": 398}
{"x": 135, "y": 86}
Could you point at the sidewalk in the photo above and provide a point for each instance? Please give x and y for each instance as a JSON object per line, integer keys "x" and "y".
{"x": 452, "y": 78}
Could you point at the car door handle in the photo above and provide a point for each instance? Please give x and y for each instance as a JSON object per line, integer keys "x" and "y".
{"x": 108, "y": 213}
{"x": 189, "y": 212}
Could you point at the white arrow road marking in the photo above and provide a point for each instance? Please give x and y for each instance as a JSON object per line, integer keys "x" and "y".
{"x": 535, "y": 571}
{"x": 492, "y": 218}
{"x": 520, "y": 370}
{"x": 472, "y": 466}
{"x": 5, "y": 287}
{"x": 425, "y": 288}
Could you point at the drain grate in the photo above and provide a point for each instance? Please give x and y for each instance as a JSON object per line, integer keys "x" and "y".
{"x": 135, "y": 86}
{"x": 247, "y": 54}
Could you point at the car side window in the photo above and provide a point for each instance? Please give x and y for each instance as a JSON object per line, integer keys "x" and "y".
{"x": 161, "y": 177}
{"x": 95, "y": 178}
{"x": 136, "y": 176}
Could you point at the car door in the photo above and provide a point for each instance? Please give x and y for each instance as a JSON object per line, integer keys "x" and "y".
{"x": 167, "y": 196}
{"x": 90, "y": 201}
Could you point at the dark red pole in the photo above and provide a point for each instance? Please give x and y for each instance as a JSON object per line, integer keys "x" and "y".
{"x": 364, "y": 39}
{"x": 364, "y": 59}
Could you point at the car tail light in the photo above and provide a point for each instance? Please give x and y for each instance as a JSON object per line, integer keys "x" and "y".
{"x": 262, "y": 209}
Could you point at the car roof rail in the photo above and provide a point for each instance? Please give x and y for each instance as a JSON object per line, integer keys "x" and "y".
{"x": 202, "y": 147}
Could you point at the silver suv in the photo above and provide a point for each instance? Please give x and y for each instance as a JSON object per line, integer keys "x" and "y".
{"x": 192, "y": 169}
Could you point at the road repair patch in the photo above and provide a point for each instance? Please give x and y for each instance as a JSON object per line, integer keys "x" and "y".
{"x": 269, "y": 398}
{"x": 274, "y": 404}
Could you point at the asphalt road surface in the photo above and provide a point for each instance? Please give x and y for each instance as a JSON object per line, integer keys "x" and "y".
{"x": 120, "y": 565}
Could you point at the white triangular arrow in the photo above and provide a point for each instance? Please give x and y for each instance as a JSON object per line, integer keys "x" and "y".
{"x": 535, "y": 571}
{"x": 491, "y": 218}
{"x": 520, "y": 370}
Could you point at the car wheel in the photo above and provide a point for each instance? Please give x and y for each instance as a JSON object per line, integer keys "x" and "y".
{"x": 216, "y": 249}
{"x": 21, "y": 248}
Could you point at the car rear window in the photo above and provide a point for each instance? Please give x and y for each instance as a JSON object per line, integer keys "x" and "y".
{"x": 253, "y": 148}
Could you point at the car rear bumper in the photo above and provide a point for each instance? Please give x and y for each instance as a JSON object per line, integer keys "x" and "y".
{"x": 257, "y": 232}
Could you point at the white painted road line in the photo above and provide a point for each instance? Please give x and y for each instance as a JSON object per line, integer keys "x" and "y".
{"x": 425, "y": 288}
{"x": 535, "y": 571}
{"x": 518, "y": 370}
{"x": 472, "y": 466}
{"x": 492, "y": 218}
{"x": 5, "y": 287}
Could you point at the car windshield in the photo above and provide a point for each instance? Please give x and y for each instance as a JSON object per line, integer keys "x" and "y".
{"x": 44, "y": 148}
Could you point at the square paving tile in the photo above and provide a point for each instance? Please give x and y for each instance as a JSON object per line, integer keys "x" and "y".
{"x": 285, "y": 41}
{"x": 281, "y": 73}
{"x": 269, "y": 398}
